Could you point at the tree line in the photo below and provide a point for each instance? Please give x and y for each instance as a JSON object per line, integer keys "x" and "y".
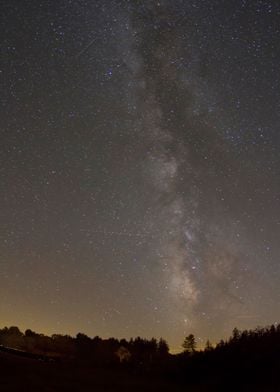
{"x": 84, "y": 348}
{"x": 246, "y": 357}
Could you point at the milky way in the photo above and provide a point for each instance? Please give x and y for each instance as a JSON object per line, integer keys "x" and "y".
{"x": 140, "y": 167}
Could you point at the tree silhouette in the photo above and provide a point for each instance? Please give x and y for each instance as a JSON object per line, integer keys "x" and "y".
{"x": 30, "y": 334}
{"x": 236, "y": 334}
{"x": 163, "y": 347}
{"x": 123, "y": 354}
{"x": 189, "y": 344}
{"x": 11, "y": 337}
{"x": 208, "y": 346}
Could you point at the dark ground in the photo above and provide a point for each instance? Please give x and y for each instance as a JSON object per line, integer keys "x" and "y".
{"x": 28, "y": 375}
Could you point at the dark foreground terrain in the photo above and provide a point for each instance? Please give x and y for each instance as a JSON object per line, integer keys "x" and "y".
{"x": 28, "y": 375}
{"x": 29, "y": 362}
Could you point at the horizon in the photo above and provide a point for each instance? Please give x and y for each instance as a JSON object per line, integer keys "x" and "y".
{"x": 200, "y": 343}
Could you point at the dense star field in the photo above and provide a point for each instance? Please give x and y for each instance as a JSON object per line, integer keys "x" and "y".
{"x": 140, "y": 167}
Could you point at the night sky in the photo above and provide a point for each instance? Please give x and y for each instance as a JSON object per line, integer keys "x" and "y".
{"x": 140, "y": 167}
